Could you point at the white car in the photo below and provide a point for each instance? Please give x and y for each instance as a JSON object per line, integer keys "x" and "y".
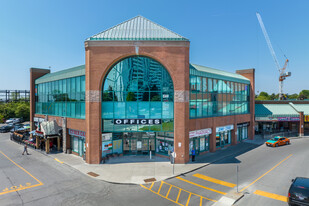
{"x": 11, "y": 120}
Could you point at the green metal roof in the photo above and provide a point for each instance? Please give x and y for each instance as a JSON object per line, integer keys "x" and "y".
{"x": 138, "y": 28}
{"x": 301, "y": 108}
{"x": 275, "y": 110}
{"x": 63, "y": 74}
{"x": 217, "y": 74}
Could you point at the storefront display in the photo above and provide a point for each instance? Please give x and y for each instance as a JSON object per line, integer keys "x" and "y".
{"x": 77, "y": 141}
{"x": 242, "y": 131}
{"x": 223, "y": 135}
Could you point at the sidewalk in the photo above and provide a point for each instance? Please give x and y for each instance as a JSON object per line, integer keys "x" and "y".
{"x": 135, "y": 169}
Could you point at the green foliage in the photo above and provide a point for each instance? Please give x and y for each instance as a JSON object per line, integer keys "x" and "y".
{"x": 293, "y": 96}
{"x": 131, "y": 96}
{"x": 304, "y": 93}
{"x": 15, "y": 109}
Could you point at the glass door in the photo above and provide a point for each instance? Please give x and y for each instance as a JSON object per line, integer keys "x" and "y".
{"x": 133, "y": 146}
{"x": 196, "y": 143}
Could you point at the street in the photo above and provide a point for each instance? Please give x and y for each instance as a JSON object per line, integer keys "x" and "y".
{"x": 264, "y": 176}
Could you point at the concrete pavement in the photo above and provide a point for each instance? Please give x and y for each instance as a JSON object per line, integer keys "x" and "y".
{"x": 136, "y": 169}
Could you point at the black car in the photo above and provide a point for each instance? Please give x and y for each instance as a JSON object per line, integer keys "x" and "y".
{"x": 299, "y": 191}
{"x": 5, "y": 128}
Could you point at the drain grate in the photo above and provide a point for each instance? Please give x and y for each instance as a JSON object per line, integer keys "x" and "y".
{"x": 93, "y": 174}
{"x": 150, "y": 180}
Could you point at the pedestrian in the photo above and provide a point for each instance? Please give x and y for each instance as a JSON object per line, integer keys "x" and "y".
{"x": 193, "y": 155}
{"x": 25, "y": 150}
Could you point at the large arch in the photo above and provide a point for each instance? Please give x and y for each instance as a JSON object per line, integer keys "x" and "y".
{"x": 138, "y": 107}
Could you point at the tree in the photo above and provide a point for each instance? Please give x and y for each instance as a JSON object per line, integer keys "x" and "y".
{"x": 131, "y": 96}
{"x": 23, "y": 110}
{"x": 304, "y": 93}
{"x": 263, "y": 96}
{"x": 293, "y": 96}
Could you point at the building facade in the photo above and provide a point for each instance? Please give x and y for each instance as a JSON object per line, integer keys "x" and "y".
{"x": 138, "y": 94}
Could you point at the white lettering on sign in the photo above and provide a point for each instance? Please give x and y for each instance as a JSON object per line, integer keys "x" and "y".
{"x": 137, "y": 121}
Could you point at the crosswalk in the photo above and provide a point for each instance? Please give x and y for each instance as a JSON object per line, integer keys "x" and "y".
{"x": 198, "y": 189}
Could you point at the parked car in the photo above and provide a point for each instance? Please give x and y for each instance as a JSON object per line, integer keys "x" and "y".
{"x": 278, "y": 141}
{"x": 299, "y": 191}
{"x": 16, "y": 127}
{"x": 11, "y": 120}
{"x": 5, "y": 128}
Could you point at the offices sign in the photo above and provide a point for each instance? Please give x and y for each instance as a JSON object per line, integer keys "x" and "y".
{"x": 137, "y": 121}
{"x": 289, "y": 119}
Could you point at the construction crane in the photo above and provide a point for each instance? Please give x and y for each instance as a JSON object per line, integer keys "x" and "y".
{"x": 282, "y": 73}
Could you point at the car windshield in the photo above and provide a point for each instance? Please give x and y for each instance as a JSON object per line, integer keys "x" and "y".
{"x": 275, "y": 139}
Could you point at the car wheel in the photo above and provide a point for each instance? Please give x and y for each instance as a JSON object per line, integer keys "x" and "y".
{"x": 277, "y": 145}
{"x": 287, "y": 143}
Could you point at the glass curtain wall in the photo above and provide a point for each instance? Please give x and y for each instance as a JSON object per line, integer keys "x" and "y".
{"x": 137, "y": 88}
{"x": 215, "y": 97}
{"x": 65, "y": 97}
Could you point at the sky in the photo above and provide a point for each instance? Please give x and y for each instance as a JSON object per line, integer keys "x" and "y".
{"x": 223, "y": 34}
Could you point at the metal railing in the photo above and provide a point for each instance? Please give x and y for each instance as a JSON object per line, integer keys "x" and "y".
{"x": 14, "y": 96}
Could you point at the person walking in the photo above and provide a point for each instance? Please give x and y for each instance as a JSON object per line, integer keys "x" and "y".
{"x": 25, "y": 150}
{"x": 193, "y": 155}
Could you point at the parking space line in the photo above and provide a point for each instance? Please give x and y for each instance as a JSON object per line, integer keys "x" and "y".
{"x": 188, "y": 200}
{"x": 210, "y": 179}
{"x": 271, "y": 195}
{"x": 178, "y": 195}
{"x": 13, "y": 188}
{"x": 207, "y": 188}
{"x": 266, "y": 173}
{"x": 160, "y": 187}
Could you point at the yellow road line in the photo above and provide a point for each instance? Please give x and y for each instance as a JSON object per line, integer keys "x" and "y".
{"x": 58, "y": 161}
{"x": 266, "y": 173}
{"x": 201, "y": 201}
{"x": 188, "y": 200}
{"x": 191, "y": 192}
{"x": 178, "y": 195}
{"x": 168, "y": 192}
{"x": 22, "y": 168}
{"x": 207, "y": 188}
{"x": 162, "y": 196}
{"x": 21, "y": 188}
{"x": 210, "y": 179}
{"x": 271, "y": 195}
{"x": 160, "y": 187}
{"x": 151, "y": 185}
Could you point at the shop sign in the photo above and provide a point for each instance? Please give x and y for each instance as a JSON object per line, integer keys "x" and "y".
{"x": 266, "y": 119}
{"x": 137, "y": 121}
{"x": 38, "y": 119}
{"x": 289, "y": 119}
{"x": 306, "y": 118}
{"x": 243, "y": 125}
{"x": 198, "y": 133}
{"x": 106, "y": 136}
{"x": 77, "y": 133}
{"x": 107, "y": 146}
{"x": 225, "y": 128}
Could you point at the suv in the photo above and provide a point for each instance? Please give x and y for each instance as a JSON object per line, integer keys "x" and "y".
{"x": 299, "y": 191}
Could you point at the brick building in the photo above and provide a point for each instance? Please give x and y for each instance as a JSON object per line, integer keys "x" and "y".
{"x": 138, "y": 92}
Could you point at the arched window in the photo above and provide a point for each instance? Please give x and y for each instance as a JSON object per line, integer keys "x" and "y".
{"x": 137, "y": 88}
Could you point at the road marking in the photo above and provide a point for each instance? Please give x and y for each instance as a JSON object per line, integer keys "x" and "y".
{"x": 168, "y": 192}
{"x": 160, "y": 187}
{"x": 180, "y": 190}
{"x": 188, "y": 199}
{"x": 271, "y": 195}
{"x": 207, "y": 188}
{"x": 266, "y": 173}
{"x": 210, "y": 179}
{"x": 58, "y": 161}
{"x": 15, "y": 188}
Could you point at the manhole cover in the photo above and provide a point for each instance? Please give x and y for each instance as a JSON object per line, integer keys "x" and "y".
{"x": 93, "y": 174}
{"x": 150, "y": 180}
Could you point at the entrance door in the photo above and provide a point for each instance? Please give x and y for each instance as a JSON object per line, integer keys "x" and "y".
{"x": 133, "y": 146}
{"x": 80, "y": 147}
{"x": 196, "y": 145}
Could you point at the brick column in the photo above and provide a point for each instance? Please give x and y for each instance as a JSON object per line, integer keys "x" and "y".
{"x": 64, "y": 135}
{"x": 250, "y": 74}
{"x": 301, "y": 124}
{"x": 212, "y": 140}
{"x": 234, "y": 135}
{"x": 34, "y": 74}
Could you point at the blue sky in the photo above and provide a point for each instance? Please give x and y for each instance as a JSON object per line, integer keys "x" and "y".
{"x": 224, "y": 34}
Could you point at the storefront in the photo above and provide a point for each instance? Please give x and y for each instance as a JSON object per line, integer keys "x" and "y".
{"x": 242, "y": 131}
{"x": 199, "y": 140}
{"x": 78, "y": 142}
{"x": 223, "y": 135}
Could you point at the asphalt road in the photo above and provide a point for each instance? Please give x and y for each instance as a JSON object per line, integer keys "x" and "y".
{"x": 264, "y": 176}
